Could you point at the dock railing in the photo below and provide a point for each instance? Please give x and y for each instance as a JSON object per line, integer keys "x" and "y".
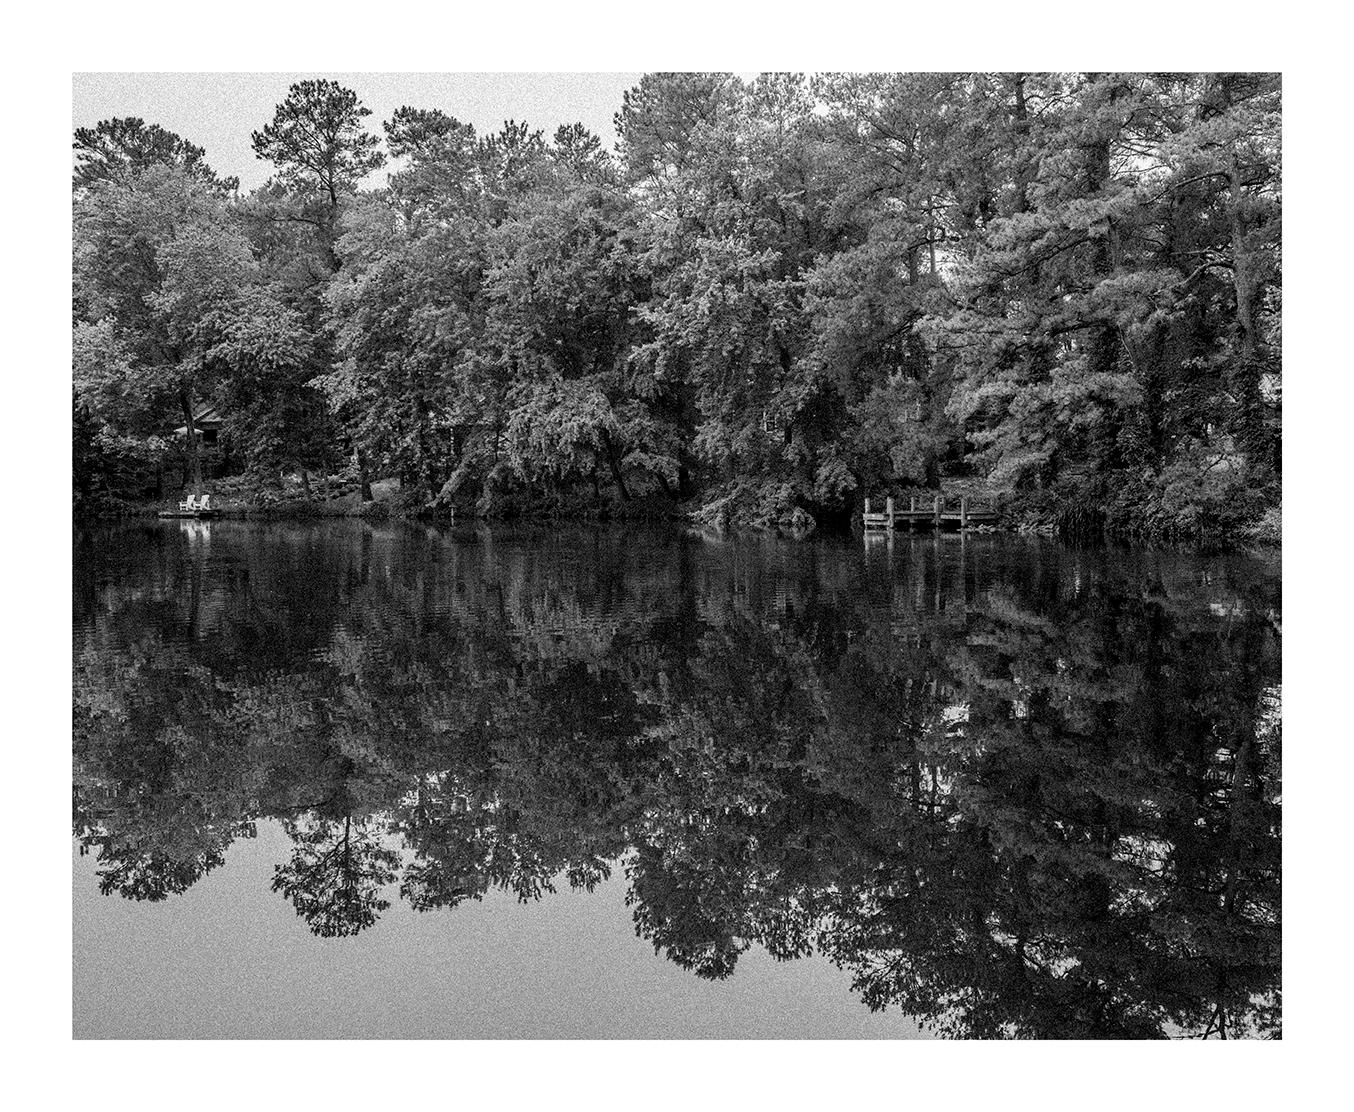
{"x": 970, "y": 512}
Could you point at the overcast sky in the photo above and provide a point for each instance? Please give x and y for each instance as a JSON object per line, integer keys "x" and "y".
{"x": 219, "y": 111}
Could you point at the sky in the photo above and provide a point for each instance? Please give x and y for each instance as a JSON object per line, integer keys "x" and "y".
{"x": 219, "y": 111}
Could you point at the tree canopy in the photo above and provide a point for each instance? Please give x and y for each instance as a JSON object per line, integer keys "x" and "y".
{"x": 772, "y": 299}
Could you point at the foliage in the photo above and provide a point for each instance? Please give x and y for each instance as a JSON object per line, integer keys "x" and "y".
{"x": 117, "y": 149}
{"x": 317, "y": 141}
{"x": 775, "y": 298}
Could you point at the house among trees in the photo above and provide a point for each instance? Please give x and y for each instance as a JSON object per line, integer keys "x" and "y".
{"x": 207, "y": 420}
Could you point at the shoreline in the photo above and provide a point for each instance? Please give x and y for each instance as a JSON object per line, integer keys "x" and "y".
{"x": 293, "y": 513}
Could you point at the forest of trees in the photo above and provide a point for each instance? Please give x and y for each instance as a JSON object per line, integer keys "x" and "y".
{"x": 772, "y": 299}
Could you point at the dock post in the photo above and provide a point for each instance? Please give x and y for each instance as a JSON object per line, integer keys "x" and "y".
{"x": 964, "y": 579}
{"x": 912, "y": 514}
{"x": 888, "y": 509}
{"x": 940, "y": 568}
{"x": 963, "y": 512}
{"x": 936, "y": 509}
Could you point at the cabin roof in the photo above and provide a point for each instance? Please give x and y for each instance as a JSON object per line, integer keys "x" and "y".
{"x": 205, "y": 416}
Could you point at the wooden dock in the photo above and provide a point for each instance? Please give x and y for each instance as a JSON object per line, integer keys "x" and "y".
{"x": 930, "y": 514}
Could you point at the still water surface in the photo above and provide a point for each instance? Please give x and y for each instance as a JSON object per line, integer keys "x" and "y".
{"x": 340, "y": 780}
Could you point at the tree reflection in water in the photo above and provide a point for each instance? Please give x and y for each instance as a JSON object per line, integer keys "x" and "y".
{"x": 1015, "y": 789}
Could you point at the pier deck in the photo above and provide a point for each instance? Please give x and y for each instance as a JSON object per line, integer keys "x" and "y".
{"x": 930, "y": 514}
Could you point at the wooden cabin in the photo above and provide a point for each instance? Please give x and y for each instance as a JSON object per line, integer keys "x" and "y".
{"x": 208, "y": 421}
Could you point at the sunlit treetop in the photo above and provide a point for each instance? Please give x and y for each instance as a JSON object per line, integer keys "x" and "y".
{"x": 318, "y": 141}
{"x": 117, "y": 149}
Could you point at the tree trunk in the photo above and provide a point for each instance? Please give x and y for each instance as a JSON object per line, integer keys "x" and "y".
{"x": 931, "y": 233}
{"x": 1103, "y": 354}
{"x": 1244, "y": 376}
{"x": 363, "y": 480}
{"x": 1248, "y": 368}
{"x": 615, "y": 467}
{"x": 194, "y": 477}
{"x": 1022, "y": 131}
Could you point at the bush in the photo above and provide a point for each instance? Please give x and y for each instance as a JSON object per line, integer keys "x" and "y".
{"x": 756, "y": 504}
{"x": 1268, "y": 529}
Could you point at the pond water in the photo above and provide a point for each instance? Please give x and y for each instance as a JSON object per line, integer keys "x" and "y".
{"x": 344, "y": 780}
